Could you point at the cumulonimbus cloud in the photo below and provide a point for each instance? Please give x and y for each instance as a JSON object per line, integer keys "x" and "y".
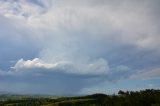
{"x": 107, "y": 39}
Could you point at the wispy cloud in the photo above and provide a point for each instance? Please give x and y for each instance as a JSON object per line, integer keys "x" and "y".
{"x": 147, "y": 74}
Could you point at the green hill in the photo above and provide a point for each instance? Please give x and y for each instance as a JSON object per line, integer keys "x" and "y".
{"x": 148, "y": 97}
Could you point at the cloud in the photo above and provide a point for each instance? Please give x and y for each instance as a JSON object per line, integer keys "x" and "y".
{"x": 94, "y": 40}
{"x": 15, "y": 42}
{"x": 147, "y": 74}
{"x": 98, "y": 67}
{"x": 5, "y": 73}
{"x": 35, "y": 63}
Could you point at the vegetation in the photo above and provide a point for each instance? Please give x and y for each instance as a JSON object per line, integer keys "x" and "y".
{"x": 148, "y": 97}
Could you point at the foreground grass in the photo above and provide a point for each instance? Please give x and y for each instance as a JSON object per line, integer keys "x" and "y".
{"x": 71, "y": 102}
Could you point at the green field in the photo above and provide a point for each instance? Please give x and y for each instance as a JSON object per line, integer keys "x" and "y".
{"x": 147, "y": 97}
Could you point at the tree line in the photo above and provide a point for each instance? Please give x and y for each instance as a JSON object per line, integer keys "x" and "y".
{"x": 148, "y": 97}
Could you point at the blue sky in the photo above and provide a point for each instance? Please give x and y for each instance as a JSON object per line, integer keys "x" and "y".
{"x": 79, "y": 47}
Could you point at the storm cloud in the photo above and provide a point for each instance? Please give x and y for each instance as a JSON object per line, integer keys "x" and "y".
{"x": 67, "y": 46}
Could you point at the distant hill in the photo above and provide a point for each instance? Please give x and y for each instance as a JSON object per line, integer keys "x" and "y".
{"x": 148, "y": 97}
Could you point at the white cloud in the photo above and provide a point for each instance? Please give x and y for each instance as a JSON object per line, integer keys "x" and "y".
{"x": 35, "y": 63}
{"x": 98, "y": 67}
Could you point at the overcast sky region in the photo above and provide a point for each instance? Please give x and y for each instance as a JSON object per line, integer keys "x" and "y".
{"x": 76, "y": 47}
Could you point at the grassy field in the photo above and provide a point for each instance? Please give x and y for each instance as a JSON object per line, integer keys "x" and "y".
{"x": 147, "y": 97}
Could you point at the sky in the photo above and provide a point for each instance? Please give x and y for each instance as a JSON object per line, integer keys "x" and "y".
{"x": 78, "y": 47}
